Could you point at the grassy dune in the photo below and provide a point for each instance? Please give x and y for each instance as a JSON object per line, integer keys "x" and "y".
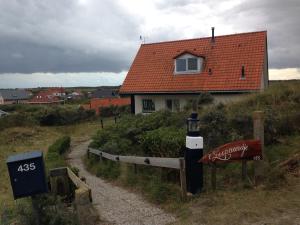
{"x": 22, "y": 139}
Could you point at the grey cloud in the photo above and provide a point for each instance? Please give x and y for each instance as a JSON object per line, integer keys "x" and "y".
{"x": 281, "y": 19}
{"x": 63, "y": 35}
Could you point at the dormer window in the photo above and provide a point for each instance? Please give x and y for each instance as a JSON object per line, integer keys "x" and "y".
{"x": 188, "y": 63}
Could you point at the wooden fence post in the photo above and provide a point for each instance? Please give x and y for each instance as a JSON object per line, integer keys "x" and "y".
{"x": 258, "y": 133}
{"x": 244, "y": 169}
{"x": 183, "y": 179}
{"x": 135, "y": 168}
{"x": 214, "y": 176}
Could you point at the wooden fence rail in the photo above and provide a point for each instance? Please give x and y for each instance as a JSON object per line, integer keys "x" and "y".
{"x": 173, "y": 163}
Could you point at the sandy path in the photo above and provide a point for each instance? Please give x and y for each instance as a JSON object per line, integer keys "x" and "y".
{"x": 114, "y": 204}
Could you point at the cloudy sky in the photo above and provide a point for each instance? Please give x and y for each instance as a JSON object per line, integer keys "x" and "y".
{"x": 92, "y": 42}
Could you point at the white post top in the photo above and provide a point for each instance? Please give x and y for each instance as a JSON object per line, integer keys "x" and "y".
{"x": 194, "y": 142}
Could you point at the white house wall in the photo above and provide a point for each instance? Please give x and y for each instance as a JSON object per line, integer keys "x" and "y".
{"x": 1, "y": 100}
{"x": 160, "y": 100}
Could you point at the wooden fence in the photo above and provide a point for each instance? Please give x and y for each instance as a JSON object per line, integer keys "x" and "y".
{"x": 61, "y": 180}
{"x": 173, "y": 163}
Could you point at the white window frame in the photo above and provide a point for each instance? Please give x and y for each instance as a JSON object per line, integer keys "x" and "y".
{"x": 187, "y": 71}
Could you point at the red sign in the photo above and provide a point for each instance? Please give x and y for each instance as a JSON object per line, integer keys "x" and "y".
{"x": 238, "y": 150}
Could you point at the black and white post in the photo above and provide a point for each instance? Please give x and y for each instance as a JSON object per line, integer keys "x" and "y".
{"x": 193, "y": 153}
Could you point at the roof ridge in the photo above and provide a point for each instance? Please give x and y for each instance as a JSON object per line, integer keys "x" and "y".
{"x": 192, "y": 39}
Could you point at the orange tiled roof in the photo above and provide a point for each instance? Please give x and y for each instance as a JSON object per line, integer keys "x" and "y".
{"x": 152, "y": 70}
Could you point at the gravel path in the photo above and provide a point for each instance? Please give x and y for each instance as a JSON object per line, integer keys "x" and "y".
{"x": 114, "y": 204}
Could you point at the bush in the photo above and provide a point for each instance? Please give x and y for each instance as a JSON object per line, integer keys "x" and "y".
{"x": 60, "y": 146}
{"x": 114, "y": 110}
{"x": 56, "y": 150}
{"x": 28, "y": 115}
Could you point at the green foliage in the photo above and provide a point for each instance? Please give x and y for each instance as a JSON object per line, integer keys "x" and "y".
{"x": 56, "y": 150}
{"x": 51, "y": 210}
{"x": 163, "y": 142}
{"x": 108, "y": 169}
{"x": 114, "y": 110}
{"x": 205, "y": 98}
{"x": 28, "y": 115}
{"x": 63, "y": 116}
{"x": 158, "y": 134}
{"x": 60, "y": 146}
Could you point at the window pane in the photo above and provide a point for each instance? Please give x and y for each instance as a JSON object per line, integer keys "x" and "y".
{"x": 148, "y": 105}
{"x": 180, "y": 65}
{"x": 176, "y": 105}
{"x": 169, "y": 104}
{"x": 192, "y": 64}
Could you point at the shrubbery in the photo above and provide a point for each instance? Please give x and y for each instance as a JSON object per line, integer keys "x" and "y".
{"x": 28, "y": 115}
{"x": 56, "y": 150}
{"x": 114, "y": 110}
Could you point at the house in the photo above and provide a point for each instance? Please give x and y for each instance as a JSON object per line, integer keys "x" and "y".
{"x": 58, "y": 92}
{"x": 98, "y": 103}
{"x": 75, "y": 95}
{"x": 46, "y": 97}
{"x": 2, "y": 113}
{"x": 168, "y": 75}
{"x": 14, "y": 96}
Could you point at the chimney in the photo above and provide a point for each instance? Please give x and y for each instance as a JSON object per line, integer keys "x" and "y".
{"x": 212, "y": 34}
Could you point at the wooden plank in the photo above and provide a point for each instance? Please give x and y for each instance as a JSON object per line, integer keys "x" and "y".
{"x": 244, "y": 170}
{"x": 94, "y": 151}
{"x": 152, "y": 161}
{"x": 76, "y": 180}
{"x": 148, "y": 161}
{"x": 258, "y": 133}
{"x": 183, "y": 179}
{"x": 214, "y": 176}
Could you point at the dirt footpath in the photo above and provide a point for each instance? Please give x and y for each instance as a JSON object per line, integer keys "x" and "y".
{"x": 114, "y": 204}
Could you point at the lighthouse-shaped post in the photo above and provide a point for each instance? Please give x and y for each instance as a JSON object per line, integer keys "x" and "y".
{"x": 193, "y": 153}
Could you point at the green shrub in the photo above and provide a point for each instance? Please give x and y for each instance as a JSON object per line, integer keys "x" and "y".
{"x": 60, "y": 146}
{"x": 114, "y": 110}
{"x": 56, "y": 150}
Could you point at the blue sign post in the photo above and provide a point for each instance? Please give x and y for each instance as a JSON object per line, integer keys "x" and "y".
{"x": 28, "y": 177}
{"x": 27, "y": 174}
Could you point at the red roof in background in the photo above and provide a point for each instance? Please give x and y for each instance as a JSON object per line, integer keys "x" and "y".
{"x": 97, "y": 103}
{"x": 44, "y": 97}
{"x": 152, "y": 70}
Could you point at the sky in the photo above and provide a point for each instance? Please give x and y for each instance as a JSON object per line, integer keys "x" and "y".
{"x": 93, "y": 43}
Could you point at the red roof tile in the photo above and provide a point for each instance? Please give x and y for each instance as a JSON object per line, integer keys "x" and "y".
{"x": 97, "y": 103}
{"x": 152, "y": 70}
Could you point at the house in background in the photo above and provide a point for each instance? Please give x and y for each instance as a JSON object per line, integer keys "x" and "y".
{"x": 50, "y": 96}
{"x": 168, "y": 75}
{"x": 75, "y": 95}
{"x": 58, "y": 92}
{"x": 14, "y": 96}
